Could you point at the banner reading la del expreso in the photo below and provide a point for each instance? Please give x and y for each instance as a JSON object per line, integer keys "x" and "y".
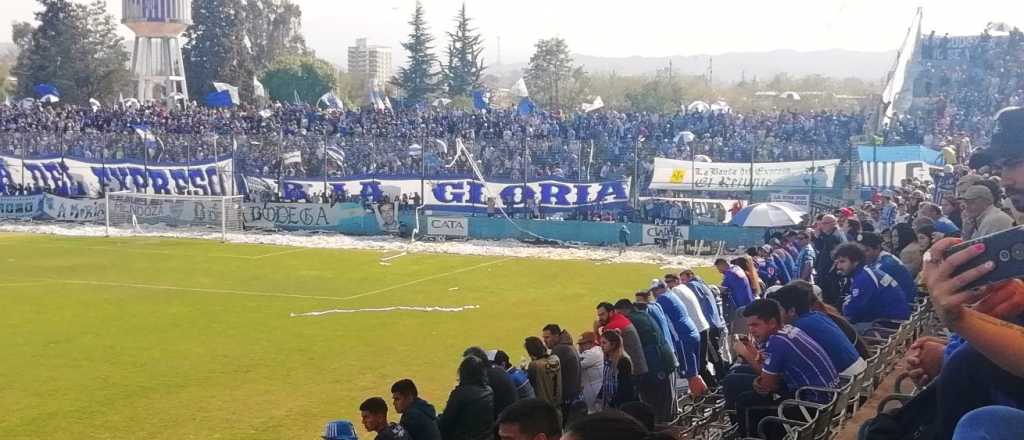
{"x": 680, "y": 175}
{"x": 77, "y": 177}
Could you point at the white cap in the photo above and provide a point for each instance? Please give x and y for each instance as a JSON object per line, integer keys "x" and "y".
{"x": 657, "y": 283}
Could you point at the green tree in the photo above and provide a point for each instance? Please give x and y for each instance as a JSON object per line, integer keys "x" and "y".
{"x": 216, "y": 49}
{"x": 465, "y": 66}
{"x": 309, "y": 76}
{"x": 418, "y": 79}
{"x": 549, "y": 72}
{"x": 274, "y": 28}
{"x": 75, "y": 47}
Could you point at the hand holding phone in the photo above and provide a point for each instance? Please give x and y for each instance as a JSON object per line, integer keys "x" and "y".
{"x": 1005, "y": 249}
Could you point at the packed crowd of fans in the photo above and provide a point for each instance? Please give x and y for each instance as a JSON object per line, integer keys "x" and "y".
{"x": 555, "y": 144}
{"x": 799, "y": 306}
{"x": 964, "y": 81}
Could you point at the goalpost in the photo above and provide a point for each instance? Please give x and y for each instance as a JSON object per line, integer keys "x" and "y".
{"x": 140, "y": 213}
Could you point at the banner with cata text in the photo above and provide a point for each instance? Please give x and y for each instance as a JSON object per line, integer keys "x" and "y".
{"x": 461, "y": 194}
{"x": 680, "y": 175}
{"x": 75, "y": 177}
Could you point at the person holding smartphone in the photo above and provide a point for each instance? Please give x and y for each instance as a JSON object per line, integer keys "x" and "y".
{"x": 988, "y": 368}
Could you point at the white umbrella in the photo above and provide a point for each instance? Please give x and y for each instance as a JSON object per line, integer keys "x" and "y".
{"x": 790, "y": 95}
{"x": 701, "y": 158}
{"x": 50, "y": 99}
{"x": 415, "y": 150}
{"x": 769, "y": 215}
{"x": 721, "y": 106}
{"x": 698, "y": 106}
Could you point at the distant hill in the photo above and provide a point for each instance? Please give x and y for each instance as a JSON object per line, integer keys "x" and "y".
{"x": 732, "y": 66}
{"x": 8, "y": 51}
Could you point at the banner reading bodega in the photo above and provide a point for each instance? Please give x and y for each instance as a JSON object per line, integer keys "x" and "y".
{"x": 87, "y": 178}
{"x": 464, "y": 194}
{"x": 682, "y": 175}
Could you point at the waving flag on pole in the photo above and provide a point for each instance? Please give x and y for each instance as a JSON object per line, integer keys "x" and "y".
{"x": 232, "y": 91}
{"x": 46, "y": 89}
{"x": 258, "y": 89}
{"x": 295, "y": 98}
{"x": 291, "y": 157}
{"x": 144, "y": 132}
{"x": 520, "y": 88}
{"x": 337, "y": 155}
{"x": 481, "y": 100}
{"x": 94, "y": 104}
{"x": 376, "y": 102}
{"x": 526, "y": 107}
{"x": 331, "y": 100}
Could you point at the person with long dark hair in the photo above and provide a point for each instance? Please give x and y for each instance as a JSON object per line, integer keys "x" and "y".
{"x": 469, "y": 413}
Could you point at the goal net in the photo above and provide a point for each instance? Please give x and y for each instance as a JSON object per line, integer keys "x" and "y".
{"x": 142, "y": 213}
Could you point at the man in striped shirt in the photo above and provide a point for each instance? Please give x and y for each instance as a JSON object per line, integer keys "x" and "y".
{"x": 783, "y": 360}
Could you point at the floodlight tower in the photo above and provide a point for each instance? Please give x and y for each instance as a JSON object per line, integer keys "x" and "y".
{"x": 156, "y": 61}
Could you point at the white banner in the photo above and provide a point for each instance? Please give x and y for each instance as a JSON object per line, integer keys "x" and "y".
{"x": 299, "y": 215}
{"x": 448, "y": 226}
{"x": 802, "y": 200}
{"x": 679, "y": 175}
{"x": 20, "y": 207}
{"x": 74, "y": 210}
{"x": 653, "y": 233}
{"x": 460, "y": 193}
{"x": 88, "y": 178}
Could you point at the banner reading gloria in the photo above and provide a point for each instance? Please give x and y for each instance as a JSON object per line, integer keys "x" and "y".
{"x": 680, "y": 175}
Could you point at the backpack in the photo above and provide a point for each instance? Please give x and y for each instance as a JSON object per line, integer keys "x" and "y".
{"x": 915, "y": 420}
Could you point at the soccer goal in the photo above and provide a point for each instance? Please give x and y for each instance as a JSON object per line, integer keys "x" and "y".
{"x": 142, "y": 213}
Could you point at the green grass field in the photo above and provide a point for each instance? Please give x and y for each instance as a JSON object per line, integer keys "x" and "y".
{"x": 147, "y": 338}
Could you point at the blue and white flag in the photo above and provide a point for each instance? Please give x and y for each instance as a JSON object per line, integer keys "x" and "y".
{"x": 232, "y": 91}
{"x": 291, "y": 157}
{"x": 331, "y": 101}
{"x": 589, "y": 107}
{"x": 46, "y": 89}
{"x": 481, "y": 99}
{"x": 526, "y": 107}
{"x": 94, "y": 104}
{"x": 520, "y": 89}
{"x": 336, "y": 154}
{"x": 376, "y": 101}
{"x": 219, "y": 99}
{"x": 144, "y": 132}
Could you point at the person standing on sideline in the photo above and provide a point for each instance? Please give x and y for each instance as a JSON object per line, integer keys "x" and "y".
{"x": 623, "y": 239}
{"x": 591, "y": 369}
{"x": 375, "y": 419}
{"x": 418, "y": 417}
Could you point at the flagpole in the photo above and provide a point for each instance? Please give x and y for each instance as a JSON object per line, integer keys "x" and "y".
{"x": 216, "y": 158}
{"x": 423, "y": 172}
{"x": 188, "y": 167}
{"x": 234, "y": 147}
{"x": 145, "y": 162}
{"x": 324, "y": 171}
{"x": 280, "y": 161}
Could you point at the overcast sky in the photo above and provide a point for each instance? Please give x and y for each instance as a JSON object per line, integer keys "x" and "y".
{"x": 635, "y": 27}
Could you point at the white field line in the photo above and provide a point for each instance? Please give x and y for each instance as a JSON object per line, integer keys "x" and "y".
{"x": 394, "y": 256}
{"x": 193, "y": 289}
{"x": 274, "y": 254}
{"x": 26, "y": 283}
{"x": 390, "y": 309}
{"x": 432, "y": 277}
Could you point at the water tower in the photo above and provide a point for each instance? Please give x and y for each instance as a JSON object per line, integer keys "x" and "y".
{"x": 156, "y": 61}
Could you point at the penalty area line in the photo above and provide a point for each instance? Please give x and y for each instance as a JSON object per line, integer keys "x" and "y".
{"x": 432, "y": 277}
{"x": 193, "y": 289}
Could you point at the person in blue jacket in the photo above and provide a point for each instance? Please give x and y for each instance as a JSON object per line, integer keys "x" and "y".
{"x": 881, "y": 260}
{"x": 871, "y": 294}
{"x": 736, "y": 282}
{"x": 688, "y": 347}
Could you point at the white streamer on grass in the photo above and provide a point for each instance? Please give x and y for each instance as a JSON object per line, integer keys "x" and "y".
{"x": 389, "y": 309}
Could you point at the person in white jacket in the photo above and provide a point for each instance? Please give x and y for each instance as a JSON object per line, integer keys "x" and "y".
{"x": 689, "y": 299}
{"x": 591, "y": 370}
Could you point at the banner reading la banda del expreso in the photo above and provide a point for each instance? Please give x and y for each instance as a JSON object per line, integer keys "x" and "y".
{"x": 88, "y": 178}
{"x": 681, "y": 175}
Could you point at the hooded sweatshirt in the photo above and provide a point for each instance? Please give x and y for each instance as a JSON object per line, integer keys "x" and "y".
{"x": 420, "y": 420}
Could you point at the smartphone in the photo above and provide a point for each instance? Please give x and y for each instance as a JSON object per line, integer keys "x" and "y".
{"x": 1005, "y": 249}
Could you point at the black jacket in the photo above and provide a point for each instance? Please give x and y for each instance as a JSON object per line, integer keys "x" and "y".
{"x": 420, "y": 420}
{"x": 569, "y": 359}
{"x": 469, "y": 414}
{"x": 504, "y": 389}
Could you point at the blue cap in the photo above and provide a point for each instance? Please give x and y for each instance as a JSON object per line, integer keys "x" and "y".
{"x": 340, "y": 430}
